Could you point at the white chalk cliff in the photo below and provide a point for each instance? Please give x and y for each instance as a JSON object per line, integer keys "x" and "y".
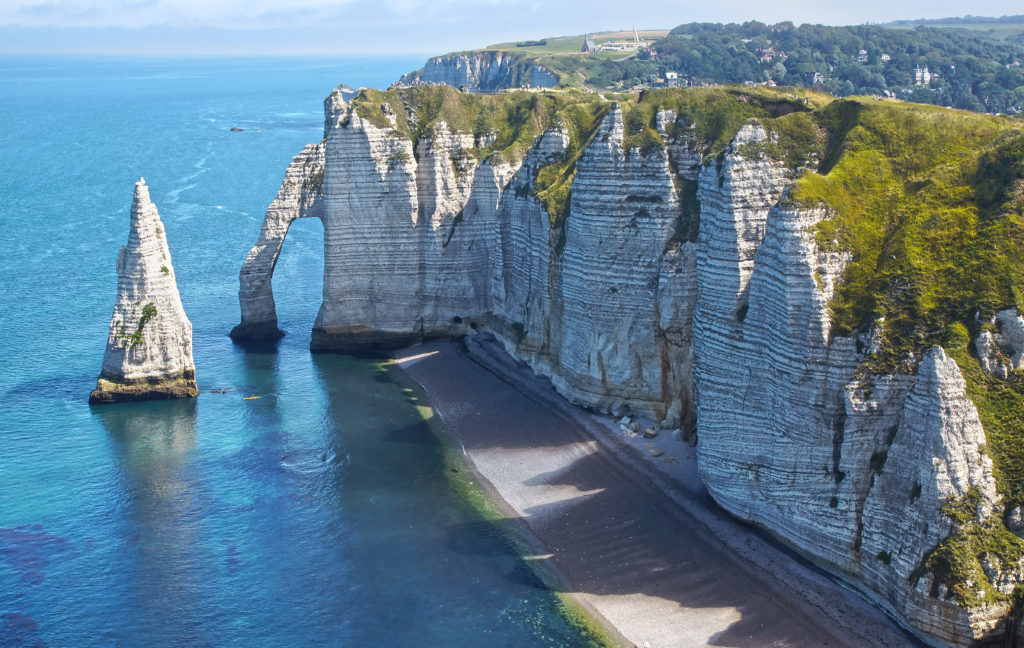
{"x": 1001, "y": 348}
{"x": 149, "y": 347}
{"x": 724, "y": 332}
{"x": 485, "y": 70}
{"x": 300, "y": 197}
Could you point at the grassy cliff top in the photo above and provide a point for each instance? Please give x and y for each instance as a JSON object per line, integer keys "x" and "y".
{"x": 973, "y": 65}
{"x": 930, "y": 204}
{"x": 515, "y": 118}
{"x": 574, "y": 44}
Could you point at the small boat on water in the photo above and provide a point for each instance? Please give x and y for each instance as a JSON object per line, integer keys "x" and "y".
{"x": 250, "y": 398}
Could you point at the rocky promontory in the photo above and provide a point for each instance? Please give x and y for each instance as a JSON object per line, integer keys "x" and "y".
{"x": 149, "y": 347}
{"x": 482, "y": 71}
{"x": 824, "y": 293}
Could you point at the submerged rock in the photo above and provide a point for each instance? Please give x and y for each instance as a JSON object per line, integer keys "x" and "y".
{"x": 149, "y": 348}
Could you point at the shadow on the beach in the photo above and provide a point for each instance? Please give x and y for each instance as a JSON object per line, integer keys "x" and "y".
{"x": 614, "y": 533}
{"x": 617, "y": 543}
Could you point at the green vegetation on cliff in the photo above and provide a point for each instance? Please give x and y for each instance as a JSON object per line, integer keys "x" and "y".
{"x": 129, "y": 340}
{"x": 506, "y": 124}
{"x": 957, "y": 561}
{"x": 930, "y": 204}
{"x": 923, "y": 199}
{"x": 512, "y": 119}
{"x": 928, "y": 201}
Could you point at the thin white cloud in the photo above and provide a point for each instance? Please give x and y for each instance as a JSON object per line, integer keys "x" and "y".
{"x": 445, "y": 25}
{"x": 64, "y": 10}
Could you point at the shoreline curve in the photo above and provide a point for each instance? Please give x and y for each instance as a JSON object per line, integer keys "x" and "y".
{"x": 624, "y": 524}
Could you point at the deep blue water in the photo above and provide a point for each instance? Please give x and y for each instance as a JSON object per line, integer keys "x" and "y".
{"x": 316, "y": 515}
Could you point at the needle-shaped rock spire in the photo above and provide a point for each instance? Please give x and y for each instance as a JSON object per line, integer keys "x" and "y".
{"x": 149, "y": 348}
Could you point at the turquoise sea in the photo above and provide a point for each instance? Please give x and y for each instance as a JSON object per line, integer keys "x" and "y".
{"x": 317, "y": 515}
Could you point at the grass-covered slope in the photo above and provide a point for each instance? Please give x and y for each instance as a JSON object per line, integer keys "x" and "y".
{"x": 516, "y": 118}
{"x": 930, "y": 203}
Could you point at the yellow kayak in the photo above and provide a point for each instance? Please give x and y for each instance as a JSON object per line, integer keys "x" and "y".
{"x": 250, "y": 398}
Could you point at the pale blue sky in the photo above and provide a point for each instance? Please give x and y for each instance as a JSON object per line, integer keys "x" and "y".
{"x": 325, "y": 27}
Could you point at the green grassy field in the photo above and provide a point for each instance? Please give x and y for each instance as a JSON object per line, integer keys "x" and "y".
{"x": 573, "y": 44}
{"x": 559, "y": 45}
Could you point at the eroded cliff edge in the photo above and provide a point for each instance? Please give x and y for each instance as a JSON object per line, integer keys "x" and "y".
{"x": 149, "y": 347}
{"x": 794, "y": 281}
{"x": 482, "y": 71}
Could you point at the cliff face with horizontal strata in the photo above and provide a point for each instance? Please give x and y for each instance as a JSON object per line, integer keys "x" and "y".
{"x": 848, "y": 469}
{"x": 149, "y": 347}
{"x": 484, "y": 70}
{"x": 714, "y": 318}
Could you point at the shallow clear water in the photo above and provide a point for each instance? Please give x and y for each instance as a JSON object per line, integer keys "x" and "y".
{"x": 315, "y": 515}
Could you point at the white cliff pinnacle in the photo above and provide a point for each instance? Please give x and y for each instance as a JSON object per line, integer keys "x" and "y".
{"x": 149, "y": 346}
{"x": 936, "y": 456}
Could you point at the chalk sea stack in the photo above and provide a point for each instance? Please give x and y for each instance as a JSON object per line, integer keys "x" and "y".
{"x": 149, "y": 348}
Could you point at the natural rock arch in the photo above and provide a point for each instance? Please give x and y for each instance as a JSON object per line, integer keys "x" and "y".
{"x": 300, "y": 196}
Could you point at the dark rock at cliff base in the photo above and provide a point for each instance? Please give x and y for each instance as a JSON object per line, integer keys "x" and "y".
{"x": 256, "y": 332}
{"x": 113, "y": 392}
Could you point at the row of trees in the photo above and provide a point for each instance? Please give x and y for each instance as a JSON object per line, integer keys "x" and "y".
{"x": 972, "y": 72}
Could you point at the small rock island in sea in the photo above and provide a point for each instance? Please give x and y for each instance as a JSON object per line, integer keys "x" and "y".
{"x": 149, "y": 348}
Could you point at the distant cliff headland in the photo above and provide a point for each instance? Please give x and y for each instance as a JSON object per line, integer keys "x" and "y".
{"x": 825, "y": 293}
{"x": 971, "y": 63}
